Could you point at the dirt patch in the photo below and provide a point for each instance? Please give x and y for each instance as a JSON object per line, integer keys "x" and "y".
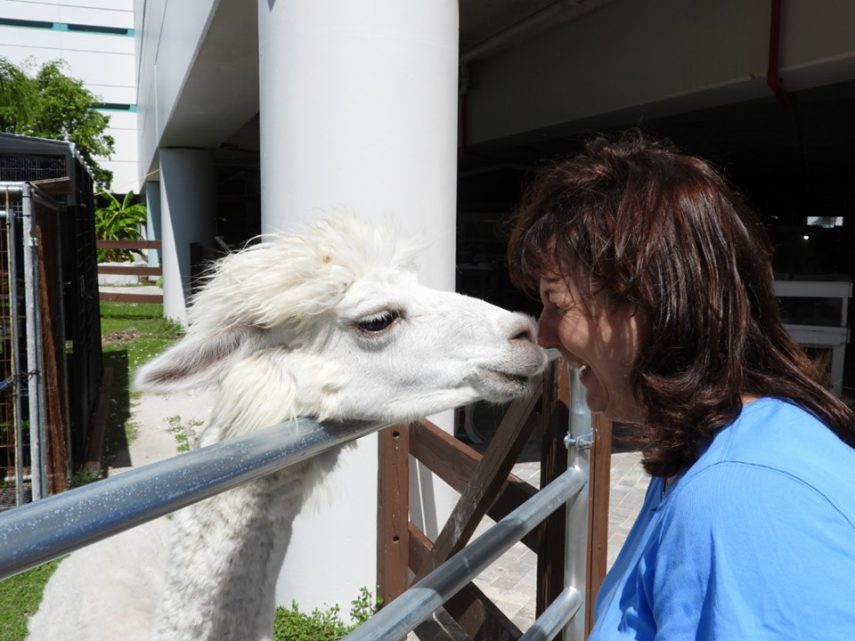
{"x": 120, "y": 337}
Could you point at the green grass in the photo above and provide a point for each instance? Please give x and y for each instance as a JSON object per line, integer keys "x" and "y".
{"x": 131, "y": 334}
{"x": 19, "y": 598}
{"x": 139, "y": 329}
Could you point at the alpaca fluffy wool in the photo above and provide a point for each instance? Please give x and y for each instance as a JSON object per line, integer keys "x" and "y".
{"x": 330, "y": 324}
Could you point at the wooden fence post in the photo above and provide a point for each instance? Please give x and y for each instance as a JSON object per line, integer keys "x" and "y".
{"x": 393, "y": 504}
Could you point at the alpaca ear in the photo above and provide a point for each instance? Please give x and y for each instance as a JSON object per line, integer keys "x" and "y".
{"x": 197, "y": 360}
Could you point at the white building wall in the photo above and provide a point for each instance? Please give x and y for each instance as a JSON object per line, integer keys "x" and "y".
{"x": 169, "y": 33}
{"x": 103, "y": 61}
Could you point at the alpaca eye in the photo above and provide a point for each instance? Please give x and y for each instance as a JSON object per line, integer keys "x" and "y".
{"x": 378, "y": 322}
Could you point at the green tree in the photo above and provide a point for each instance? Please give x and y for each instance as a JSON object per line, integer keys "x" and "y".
{"x": 17, "y": 95}
{"x": 50, "y": 104}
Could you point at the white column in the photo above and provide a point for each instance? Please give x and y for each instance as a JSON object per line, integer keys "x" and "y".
{"x": 152, "y": 222}
{"x": 358, "y": 111}
{"x": 187, "y": 208}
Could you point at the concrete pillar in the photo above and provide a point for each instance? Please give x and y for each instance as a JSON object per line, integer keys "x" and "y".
{"x": 358, "y": 111}
{"x": 187, "y": 208}
{"x": 152, "y": 221}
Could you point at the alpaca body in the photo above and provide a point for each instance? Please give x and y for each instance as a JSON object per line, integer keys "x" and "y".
{"x": 123, "y": 574}
{"x": 239, "y": 538}
{"x": 330, "y": 325}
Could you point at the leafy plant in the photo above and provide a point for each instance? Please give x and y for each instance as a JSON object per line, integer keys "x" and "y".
{"x": 118, "y": 221}
{"x": 184, "y": 433}
{"x": 323, "y": 625}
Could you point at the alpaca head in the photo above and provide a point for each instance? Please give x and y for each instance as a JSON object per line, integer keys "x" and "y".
{"x": 333, "y": 323}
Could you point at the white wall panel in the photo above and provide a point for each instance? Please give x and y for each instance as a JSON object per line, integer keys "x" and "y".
{"x": 125, "y": 120}
{"x": 171, "y": 35}
{"x": 66, "y": 40}
{"x": 124, "y": 174}
{"x": 103, "y": 14}
{"x": 126, "y": 144}
{"x": 105, "y": 64}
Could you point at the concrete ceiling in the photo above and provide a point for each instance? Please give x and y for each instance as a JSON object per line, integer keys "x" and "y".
{"x": 817, "y": 131}
{"x": 221, "y": 91}
{"x": 219, "y": 103}
{"x": 490, "y": 26}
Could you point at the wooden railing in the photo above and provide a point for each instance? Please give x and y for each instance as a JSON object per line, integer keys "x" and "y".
{"x": 130, "y": 270}
{"x": 487, "y": 487}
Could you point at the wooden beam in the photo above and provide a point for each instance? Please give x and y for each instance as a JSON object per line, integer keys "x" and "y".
{"x": 419, "y": 547}
{"x": 392, "y": 512}
{"x": 121, "y": 297}
{"x": 553, "y": 462}
{"x": 476, "y": 615}
{"x": 127, "y": 244}
{"x": 129, "y": 270}
{"x": 483, "y": 487}
{"x": 479, "y": 617}
{"x": 455, "y": 463}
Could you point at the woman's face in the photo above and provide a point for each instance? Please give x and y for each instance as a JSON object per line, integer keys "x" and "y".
{"x": 601, "y": 339}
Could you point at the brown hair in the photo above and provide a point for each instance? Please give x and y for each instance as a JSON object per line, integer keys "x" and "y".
{"x": 665, "y": 233}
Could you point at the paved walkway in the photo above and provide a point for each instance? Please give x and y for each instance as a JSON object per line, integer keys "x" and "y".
{"x": 511, "y": 581}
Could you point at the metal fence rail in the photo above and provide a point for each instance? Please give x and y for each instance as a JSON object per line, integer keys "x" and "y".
{"x": 421, "y": 599}
{"x": 38, "y": 532}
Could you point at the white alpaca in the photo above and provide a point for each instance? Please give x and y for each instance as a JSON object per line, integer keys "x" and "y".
{"x": 331, "y": 324}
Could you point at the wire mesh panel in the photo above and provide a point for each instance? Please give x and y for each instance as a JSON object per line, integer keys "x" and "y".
{"x": 7, "y": 382}
{"x": 73, "y": 254}
{"x": 38, "y": 387}
{"x": 14, "y": 438}
{"x": 20, "y": 167}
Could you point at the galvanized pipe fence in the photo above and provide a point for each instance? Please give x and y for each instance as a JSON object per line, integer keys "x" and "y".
{"x": 565, "y": 613}
{"x": 427, "y": 595}
{"x": 31, "y": 201}
{"x": 49, "y": 528}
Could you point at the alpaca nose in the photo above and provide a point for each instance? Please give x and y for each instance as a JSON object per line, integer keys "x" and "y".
{"x": 523, "y": 330}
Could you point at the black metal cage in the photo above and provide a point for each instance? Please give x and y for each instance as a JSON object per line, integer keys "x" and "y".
{"x": 57, "y": 171}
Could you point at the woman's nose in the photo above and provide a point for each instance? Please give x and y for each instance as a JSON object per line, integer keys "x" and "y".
{"x": 546, "y": 336}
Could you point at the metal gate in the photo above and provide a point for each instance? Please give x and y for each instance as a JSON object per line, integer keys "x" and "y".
{"x": 34, "y": 432}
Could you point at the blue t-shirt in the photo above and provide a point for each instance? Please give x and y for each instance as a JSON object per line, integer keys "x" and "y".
{"x": 754, "y": 542}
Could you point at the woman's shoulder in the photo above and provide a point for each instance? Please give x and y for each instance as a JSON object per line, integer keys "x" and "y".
{"x": 776, "y": 447}
{"x": 778, "y": 433}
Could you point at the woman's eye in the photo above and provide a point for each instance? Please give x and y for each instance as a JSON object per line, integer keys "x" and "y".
{"x": 378, "y": 322}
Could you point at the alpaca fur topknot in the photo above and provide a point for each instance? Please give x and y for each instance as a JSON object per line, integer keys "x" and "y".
{"x": 288, "y": 279}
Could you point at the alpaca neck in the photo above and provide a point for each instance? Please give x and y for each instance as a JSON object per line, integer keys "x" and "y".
{"x": 225, "y": 559}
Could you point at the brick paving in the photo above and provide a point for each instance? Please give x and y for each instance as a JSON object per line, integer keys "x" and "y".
{"x": 511, "y": 581}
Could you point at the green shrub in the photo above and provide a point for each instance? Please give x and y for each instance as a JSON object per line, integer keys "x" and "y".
{"x": 118, "y": 221}
{"x": 323, "y": 625}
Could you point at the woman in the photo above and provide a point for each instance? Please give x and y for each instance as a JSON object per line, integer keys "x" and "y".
{"x": 656, "y": 279}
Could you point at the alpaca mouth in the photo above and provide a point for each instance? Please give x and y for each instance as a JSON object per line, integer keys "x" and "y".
{"x": 500, "y": 386}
